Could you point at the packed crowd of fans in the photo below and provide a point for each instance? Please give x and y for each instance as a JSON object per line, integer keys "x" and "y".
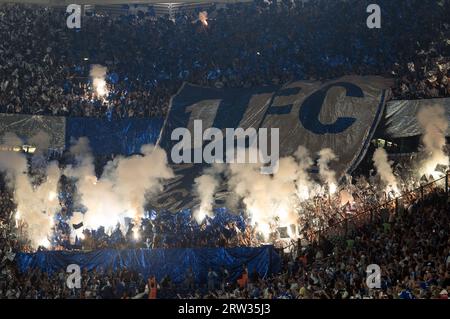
{"x": 410, "y": 243}
{"x": 338, "y": 241}
{"x": 157, "y": 229}
{"x": 323, "y": 211}
{"x": 163, "y": 230}
{"x": 9, "y": 243}
{"x": 224, "y": 228}
{"x": 44, "y": 69}
{"x": 44, "y": 66}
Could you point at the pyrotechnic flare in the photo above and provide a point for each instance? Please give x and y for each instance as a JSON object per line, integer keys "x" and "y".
{"x": 434, "y": 123}
{"x": 384, "y": 170}
{"x": 136, "y": 235}
{"x": 17, "y": 218}
{"x": 203, "y": 17}
{"x": 205, "y": 188}
{"x": 98, "y": 76}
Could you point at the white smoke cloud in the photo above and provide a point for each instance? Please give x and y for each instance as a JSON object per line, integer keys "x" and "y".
{"x": 267, "y": 198}
{"x": 121, "y": 189}
{"x": 384, "y": 170}
{"x": 119, "y": 192}
{"x": 36, "y": 204}
{"x": 305, "y": 186}
{"x": 41, "y": 140}
{"x": 434, "y": 123}
{"x": 205, "y": 188}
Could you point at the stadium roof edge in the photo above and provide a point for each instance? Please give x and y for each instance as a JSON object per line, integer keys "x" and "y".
{"x": 103, "y": 2}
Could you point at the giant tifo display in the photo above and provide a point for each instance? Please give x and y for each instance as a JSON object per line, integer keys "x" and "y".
{"x": 324, "y": 131}
{"x": 237, "y": 149}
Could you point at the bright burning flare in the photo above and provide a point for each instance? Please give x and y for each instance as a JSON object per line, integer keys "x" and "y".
{"x": 264, "y": 229}
{"x": 429, "y": 168}
{"x": 98, "y": 75}
{"x": 200, "y": 215}
{"x": 44, "y": 243}
{"x": 17, "y": 218}
{"x": 136, "y": 234}
{"x": 51, "y": 196}
{"x": 333, "y": 188}
{"x": 203, "y": 17}
{"x": 100, "y": 87}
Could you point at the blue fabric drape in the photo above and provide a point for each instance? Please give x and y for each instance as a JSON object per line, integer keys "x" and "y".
{"x": 159, "y": 262}
{"x": 125, "y": 136}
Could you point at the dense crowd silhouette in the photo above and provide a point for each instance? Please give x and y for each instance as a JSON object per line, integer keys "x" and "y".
{"x": 44, "y": 66}
{"x": 410, "y": 243}
{"x": 44, "y": 70}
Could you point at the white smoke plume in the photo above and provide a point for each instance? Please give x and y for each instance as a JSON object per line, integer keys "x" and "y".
{"x": 267, "y": 198}
{"x": 384, "y": 170}
{"x": 328, "y": 176}
{"x": 41, "y": 140}
{"x": 121, "y": 189}
{"x": 203, "y": 17}
{"x": 305, "y": 186}
{"x": 271, "y": 199}
{"x": 205, "y": 188}
{"x": 434, "y": 123}
{"x": 98, "y": 76}
{"x": 36, "y": 204}
{"x": 119, "y": 192}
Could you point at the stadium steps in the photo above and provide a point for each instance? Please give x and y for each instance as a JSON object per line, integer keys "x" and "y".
{"x": 161, "y": 9}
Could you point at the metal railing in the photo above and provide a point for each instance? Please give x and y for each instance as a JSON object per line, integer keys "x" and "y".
{"x": 341, "y": 228}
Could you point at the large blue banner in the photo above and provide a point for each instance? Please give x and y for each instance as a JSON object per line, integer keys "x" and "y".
{"x": 159, "y": 262}
{"x": 125, "y": 136}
